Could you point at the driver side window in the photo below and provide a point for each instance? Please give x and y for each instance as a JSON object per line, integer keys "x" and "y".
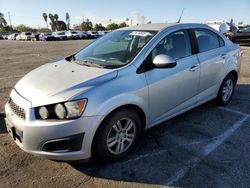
{"x": 176, "y": 45}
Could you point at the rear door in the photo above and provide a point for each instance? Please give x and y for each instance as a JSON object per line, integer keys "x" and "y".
{"x": 212, "y": 55}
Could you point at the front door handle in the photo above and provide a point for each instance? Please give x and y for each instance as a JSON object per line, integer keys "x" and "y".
{"x": 193, "y": 68}
{"x": 223, "y": 56}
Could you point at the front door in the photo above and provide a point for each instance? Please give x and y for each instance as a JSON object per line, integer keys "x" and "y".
{"x": 173, "y": 89}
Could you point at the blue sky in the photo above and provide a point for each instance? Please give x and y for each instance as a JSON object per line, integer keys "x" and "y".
{"x": 29, "y": 12}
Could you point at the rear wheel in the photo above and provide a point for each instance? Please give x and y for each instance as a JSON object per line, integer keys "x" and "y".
{"x": 226, "y": 91}
{"x": 117, "y": 135}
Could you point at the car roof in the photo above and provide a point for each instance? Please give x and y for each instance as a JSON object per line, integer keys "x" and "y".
{"x": 153, "y": 26}
{"x": 160, "y": 26}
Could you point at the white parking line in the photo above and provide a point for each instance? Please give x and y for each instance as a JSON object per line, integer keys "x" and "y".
{"x": 210, "y": 147}
{"x": 234, "y": 111}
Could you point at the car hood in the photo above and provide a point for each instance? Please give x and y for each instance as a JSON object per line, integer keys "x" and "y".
{"x": 60, "y": 81}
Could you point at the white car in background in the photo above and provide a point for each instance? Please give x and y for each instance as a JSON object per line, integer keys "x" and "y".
{"x": 220, "y": 26}
{"x": 12, "y": 36}
{"x": 102, "y": 33}
{"x": 73, "y": 34}
{"x": 25, "y": 36}
{"x": 60, "y": 35}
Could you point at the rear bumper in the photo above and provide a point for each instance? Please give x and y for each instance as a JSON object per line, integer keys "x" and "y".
{"x": 57, "y": 140}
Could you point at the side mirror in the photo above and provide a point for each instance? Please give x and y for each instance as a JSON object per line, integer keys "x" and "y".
{"x": 164, "y": 61}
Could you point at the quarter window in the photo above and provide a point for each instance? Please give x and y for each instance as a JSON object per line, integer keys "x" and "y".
{"x": 208, "y": 40}
{"x": 176, "y": 45}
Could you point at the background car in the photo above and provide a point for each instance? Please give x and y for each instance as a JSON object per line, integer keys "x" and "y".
{"x": 25, "y": 35}
{"x": 241, "y": 36}
{"x": 5, "y": 35}
{"x": 18, "y": 37}
{"x": 102, "y": 33}
{"x": 47, "y": 37}
{"x": 35, "y": 36}
{"x": 60, "y": 35}
{"x": 93, "y": 34}
{"x": 84, "y": 35}
{"x": 73, "y": 34}
{"x": 220, "y": 26}
{"x": 12, "y": 36}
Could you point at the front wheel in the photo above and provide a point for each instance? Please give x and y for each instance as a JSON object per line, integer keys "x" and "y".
{"x": 117, "y": 135}
{"x": 226, "y": 91}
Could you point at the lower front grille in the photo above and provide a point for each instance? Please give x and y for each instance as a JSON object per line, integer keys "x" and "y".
{"x": 20, "y": 112}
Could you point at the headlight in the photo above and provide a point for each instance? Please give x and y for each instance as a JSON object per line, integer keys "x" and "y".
{"x": 75, "y": 108}
{"x": 60, "y": 111}
{"x": 67, "y": 110}
{"x": 43, "y": 112}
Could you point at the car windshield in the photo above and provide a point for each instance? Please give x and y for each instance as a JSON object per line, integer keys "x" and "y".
{"x": 61, "y": 33}
{"x": 74, "y": 32}
{"x": 27, "y": 33}
{"x": 115, "y": 49}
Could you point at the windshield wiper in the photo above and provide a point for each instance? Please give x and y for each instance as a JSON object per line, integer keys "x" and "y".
{"x": 88, "y": 63}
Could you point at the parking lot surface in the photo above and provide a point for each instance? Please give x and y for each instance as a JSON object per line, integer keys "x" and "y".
{"x": 208, "y": 146}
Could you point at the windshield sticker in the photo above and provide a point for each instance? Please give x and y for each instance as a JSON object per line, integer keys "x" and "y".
{"x": 141, "y": 33}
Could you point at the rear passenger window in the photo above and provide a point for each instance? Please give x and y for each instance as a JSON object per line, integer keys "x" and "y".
{"x": 207, "y": 40}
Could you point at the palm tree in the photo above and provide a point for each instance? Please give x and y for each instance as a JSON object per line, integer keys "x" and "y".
{"x": 68, "y": 20}
{"x": 45, "y": 17}
{"x": 127, "y": 19}
{"x": 56, "y": 17}
{"x": 52, "y": 19}
{"x": 3, "y": 22}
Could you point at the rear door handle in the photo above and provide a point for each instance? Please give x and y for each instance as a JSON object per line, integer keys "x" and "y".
{"x": 193, "y": 68}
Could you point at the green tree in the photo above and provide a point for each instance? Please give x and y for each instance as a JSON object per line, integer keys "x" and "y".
{"x": 112, "y": 26}
{"x": 86, "y": 25}
{"x": 45, "y": 17}
{"x": 58, "y": 26}
{"x": 3, "y": 22}
{"x": 123, "y": 24}
{"x": 44, "y": 30}
{"x": 22, "y": 28}
{"x": 99, "y": 27}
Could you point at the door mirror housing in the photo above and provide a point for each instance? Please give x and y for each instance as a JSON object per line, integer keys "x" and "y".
{"x": 164, "y": 61}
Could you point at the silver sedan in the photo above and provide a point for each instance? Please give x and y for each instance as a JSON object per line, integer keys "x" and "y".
{"x": 96, "y": 102}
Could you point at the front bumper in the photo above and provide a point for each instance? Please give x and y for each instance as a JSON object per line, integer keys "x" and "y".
{"x": 53, "y": 139}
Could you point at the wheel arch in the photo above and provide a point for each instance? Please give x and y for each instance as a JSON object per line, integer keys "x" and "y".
{"x": 136, "y": 108}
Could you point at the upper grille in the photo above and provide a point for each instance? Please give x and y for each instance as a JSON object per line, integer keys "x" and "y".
{"x": 20, "y": 112}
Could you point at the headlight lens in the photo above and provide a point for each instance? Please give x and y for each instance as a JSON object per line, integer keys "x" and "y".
{"x": 43, "y": 112}
{"x": 60, "y": 111}
{"x": 67, "y": 110}
{"x": 75, "y": 108}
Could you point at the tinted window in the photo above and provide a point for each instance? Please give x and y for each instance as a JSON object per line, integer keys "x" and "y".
{"x": 207, "y": 40}
{"x": 245, "y": 30}
{"x": 176, "y": 45}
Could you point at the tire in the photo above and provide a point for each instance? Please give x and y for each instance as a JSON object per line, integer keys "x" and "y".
{"x": 112, "y": 130}
{"x": 226, "y": 88}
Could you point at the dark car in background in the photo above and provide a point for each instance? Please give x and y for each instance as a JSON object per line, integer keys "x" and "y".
{"x": 242, "y": 36}
{"x": 35, "y": 36}
{"x": 47, "y": 37}
{"x": 92, "y": 34}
